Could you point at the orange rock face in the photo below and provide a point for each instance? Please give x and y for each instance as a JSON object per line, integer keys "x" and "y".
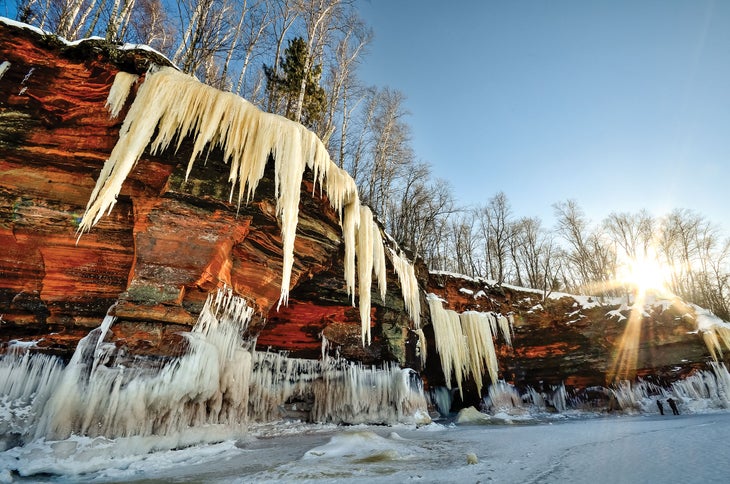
{"x": 167, "y": 243}
{"x": 558, "y": 341}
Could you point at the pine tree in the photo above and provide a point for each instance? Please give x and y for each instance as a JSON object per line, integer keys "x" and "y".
{"x": 283, "y": 87}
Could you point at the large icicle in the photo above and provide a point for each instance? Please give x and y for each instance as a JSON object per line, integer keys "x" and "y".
{"x": 170, "y": 105}
{"x": 349, "y": 230}
{"x": 365, "y": 269}
{"x": 479, "y": 342}
{"x": 450, "y": 343}
{"x": 379, "y": 261}
{"x": 505, "y": 326}
{"x": 288, "y": 188}
{"x": 409, "y": 287}
{"x": 422, "y": 346}
{"x": 119, "y": 92}
{"x": 715, "y": 332}
{"x": 465, "y": 342}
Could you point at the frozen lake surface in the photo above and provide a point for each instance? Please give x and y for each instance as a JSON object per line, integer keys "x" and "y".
{"x": 632, "y": 449}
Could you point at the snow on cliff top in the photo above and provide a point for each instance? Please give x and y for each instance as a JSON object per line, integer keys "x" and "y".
{"x": 584, "y": 300}
{"x": 39, "y": 31}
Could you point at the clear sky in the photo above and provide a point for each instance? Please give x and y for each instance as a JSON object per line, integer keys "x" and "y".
{"x": 620, "y": 105}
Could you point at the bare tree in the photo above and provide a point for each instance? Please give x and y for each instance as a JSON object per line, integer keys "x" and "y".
{"x": 119, "y": 15}
{"x": 68, "y": 13}
{"x": 361, "y": 144}
{"x": 150, "y": 25}
{"x": 700, "y": 269}
{"x": 259, "y": 20}
{"x": 633, "y": 233}
{"x": 495, "y": 227}
{"x": 464, "y": 245}
{"x": 590, "y": 259}
{"x": 389, "y": 147}
{"x": 31, "y": 12}
{"x": 285, "y": 14}
{"x": 341, "y": 78}
{"x": 205, "y": 33}
{"x": 416, "y": 203}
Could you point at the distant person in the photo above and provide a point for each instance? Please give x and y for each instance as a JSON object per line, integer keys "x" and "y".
{"x": 661, "y": 407}
{"x": 673, "y": 406}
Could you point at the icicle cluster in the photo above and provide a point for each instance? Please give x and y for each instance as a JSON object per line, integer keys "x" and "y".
{"x": 450, "y": 342}
{"x": 699, "y": 392}
{"x": 480, "y": 346}
{"x": 26, "y": 383}
{"x": 119, "y": 92}
{"x": 356, "y": 394}
{"x": 409, "y": 287}
{"x": 465, "y": 342}
{"x": 502, "y": 397}
{"x": 711, "y": 387}
{"x": 100, "y": 393}
{"x": 715, "y": 337}
{"x": 170, "y": 105}
{"x": 219, "y": 383}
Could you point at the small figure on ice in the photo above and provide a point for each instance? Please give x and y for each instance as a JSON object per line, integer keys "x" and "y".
{"x": 661, "y": 407}
{"x": 673, "y": 406}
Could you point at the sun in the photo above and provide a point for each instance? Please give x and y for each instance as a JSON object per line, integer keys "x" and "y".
{"x": 644, "y": 274}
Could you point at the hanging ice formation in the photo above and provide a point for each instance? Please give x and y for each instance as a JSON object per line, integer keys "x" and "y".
{"x": 174, "y": 105}
{"x": 409, "y": 286}
{"x": 450, "y": 342}
{"x": 422, "y": 346}
{"x": 4, "y": 67}
{"x": 715, "y": 332}
{"x": 701, "y": 391}
{"x": 219, "y": 384}
{"x": 465, "y": 342}
{"x": 119, "y": 92}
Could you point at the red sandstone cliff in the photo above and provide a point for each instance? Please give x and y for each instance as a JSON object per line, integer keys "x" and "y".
{"x": 169, "y": 242}
{"x": 563, "y": 339}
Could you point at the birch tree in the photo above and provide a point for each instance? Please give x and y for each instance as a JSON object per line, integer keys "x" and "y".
{"x": 151, "y": 26}
{"x": 205, "y": 33}
{"x": 341, "y": 80}
{"x": 119, "y": 15}
{"x": 259, "y": 20}
{"x": 285, "y": 15}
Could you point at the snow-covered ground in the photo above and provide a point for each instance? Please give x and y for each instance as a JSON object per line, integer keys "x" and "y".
{"x": 635, "y": 449}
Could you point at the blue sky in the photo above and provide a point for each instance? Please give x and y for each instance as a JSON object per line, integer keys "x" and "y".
{"x": 620, "y": 105}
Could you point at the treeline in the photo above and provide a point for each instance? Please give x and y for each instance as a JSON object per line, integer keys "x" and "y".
{"x": 299, "y": 58}
{"x": 685, "y": 252}
{"x": 296, "y": 58}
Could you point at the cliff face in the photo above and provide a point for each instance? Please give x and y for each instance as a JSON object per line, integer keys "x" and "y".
{"x": 167, "y": 243}
{"x": 581, "y": 342}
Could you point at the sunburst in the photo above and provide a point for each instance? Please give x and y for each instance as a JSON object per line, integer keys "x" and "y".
{"x": 641, "y": 275}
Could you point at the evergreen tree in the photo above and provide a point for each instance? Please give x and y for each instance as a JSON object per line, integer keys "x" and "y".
{"x": 283, "y": 87}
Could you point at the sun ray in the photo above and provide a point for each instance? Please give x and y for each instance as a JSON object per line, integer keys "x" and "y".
{"x": 640, "y": 276}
